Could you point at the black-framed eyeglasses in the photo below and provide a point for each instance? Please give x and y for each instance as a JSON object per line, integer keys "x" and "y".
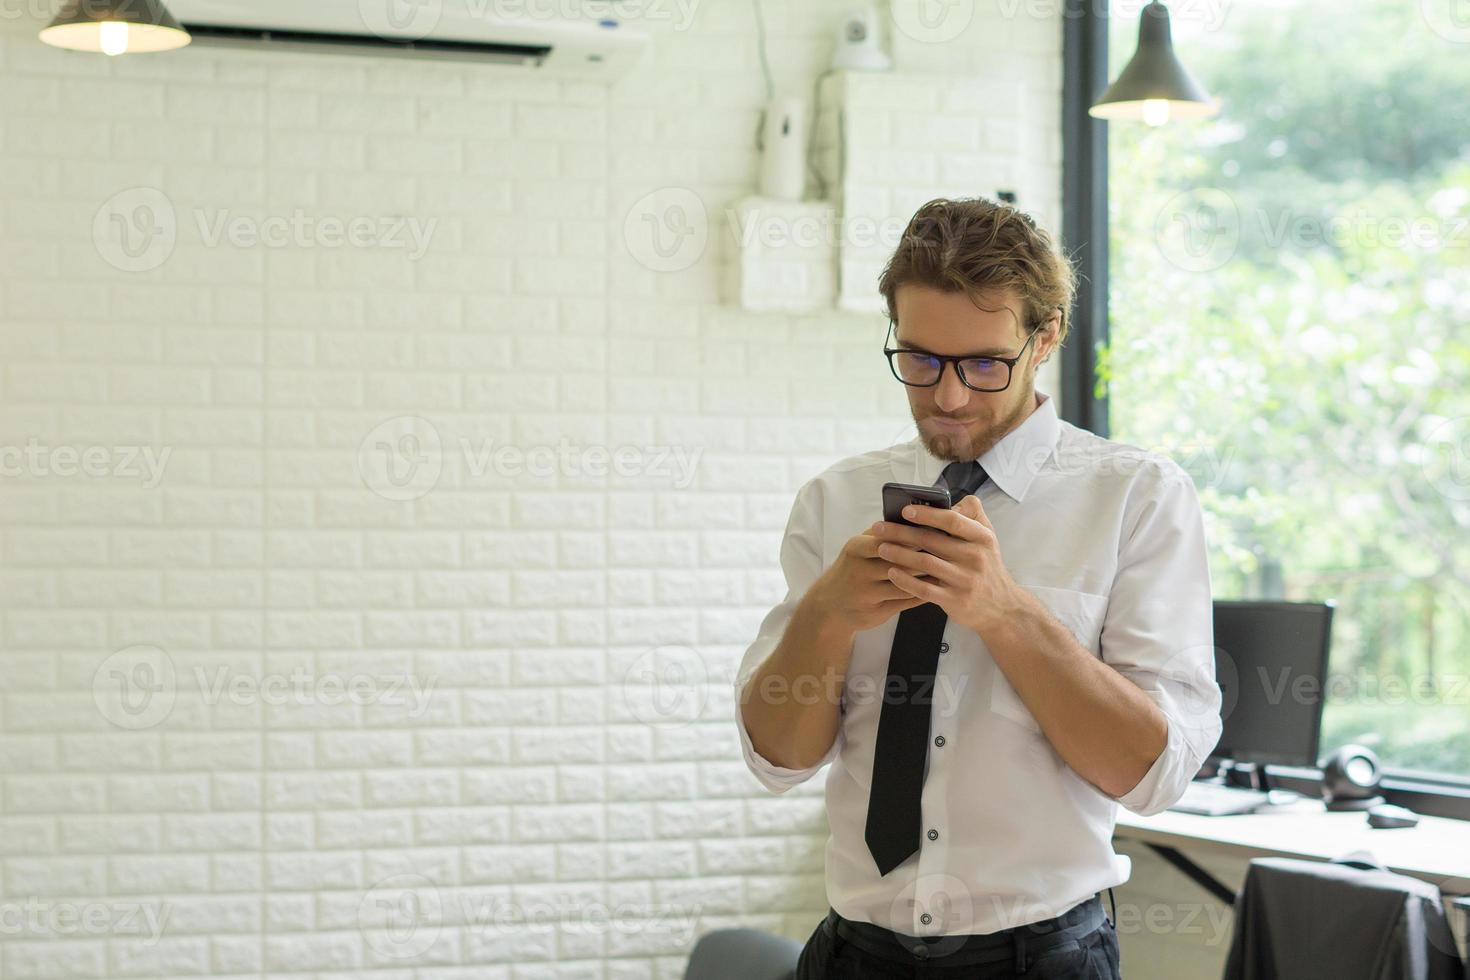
{"x": 922, "y": 369}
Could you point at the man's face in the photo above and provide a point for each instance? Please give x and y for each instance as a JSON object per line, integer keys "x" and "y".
{"x": 956, "y": 422}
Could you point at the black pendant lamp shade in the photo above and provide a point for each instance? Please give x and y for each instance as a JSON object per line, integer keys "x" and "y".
{"x": 115, "y": 27}
{"x": 1154, "y": 87}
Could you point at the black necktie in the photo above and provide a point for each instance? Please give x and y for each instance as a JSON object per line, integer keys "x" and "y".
{"x": 902, "y": 748}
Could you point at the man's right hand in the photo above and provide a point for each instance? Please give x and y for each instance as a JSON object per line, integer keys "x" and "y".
{"x": 856, "y": 591}
{"x": 852, "y": 595}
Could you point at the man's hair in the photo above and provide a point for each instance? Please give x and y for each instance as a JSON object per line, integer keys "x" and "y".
{"x": 979, "y": 245}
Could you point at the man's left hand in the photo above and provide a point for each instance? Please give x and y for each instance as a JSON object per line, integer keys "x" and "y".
{"x": 953, "y": 560}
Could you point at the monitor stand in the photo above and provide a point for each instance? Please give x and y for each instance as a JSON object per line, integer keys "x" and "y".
{"x": 1211, "y": 768}
{"x": 1247, "y": 775}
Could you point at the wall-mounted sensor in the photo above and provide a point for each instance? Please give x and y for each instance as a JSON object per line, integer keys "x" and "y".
{"x": 860, "y": 42}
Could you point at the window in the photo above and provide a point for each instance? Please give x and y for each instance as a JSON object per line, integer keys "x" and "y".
{"x": 1288, "y": 316}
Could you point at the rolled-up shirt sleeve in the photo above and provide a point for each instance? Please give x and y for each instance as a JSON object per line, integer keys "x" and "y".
{"x": 801, "y": 563}
{"x": 1159, "y": 631}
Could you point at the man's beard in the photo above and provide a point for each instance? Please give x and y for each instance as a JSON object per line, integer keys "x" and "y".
{"x": 962, "y": 447}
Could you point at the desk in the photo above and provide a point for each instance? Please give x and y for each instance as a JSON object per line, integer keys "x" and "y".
{"x": 1437, "y": 850}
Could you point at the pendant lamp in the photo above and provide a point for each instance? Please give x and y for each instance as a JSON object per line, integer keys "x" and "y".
{"x": 115, "y": 27}
{"x": 1154, "y": 87}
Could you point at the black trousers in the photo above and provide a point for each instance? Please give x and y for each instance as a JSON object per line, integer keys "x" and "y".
{"x": 1079, "y": 944}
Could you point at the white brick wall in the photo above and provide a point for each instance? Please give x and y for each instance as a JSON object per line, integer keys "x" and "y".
{"x": 889, "y": 142}
{"x": 262, "y": 697}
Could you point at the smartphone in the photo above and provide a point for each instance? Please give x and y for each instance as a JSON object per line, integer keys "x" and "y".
{"x": 897, "y": 496}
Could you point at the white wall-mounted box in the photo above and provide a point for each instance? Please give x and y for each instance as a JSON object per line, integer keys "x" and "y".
{"x": 784, "y": 255}
{"x": 886, "y": 142}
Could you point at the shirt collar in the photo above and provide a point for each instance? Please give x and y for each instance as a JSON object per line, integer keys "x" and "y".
{"x": 1011, "y": 463}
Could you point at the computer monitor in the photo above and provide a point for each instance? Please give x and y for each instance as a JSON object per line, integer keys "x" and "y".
{"x": 1271, "y": 663}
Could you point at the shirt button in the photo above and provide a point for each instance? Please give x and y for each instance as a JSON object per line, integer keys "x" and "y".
{"x": 921, "y": 951}
{"x": 939, "y": 740}
{"x": 933, "y": 835}
{"x": 926, "y": 918}
{"x": 944, "y": 648}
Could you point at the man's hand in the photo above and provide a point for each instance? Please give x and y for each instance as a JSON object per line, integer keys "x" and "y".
{"x": 1101, "y": 723}
{"x": 853, "y": 594}
{"x": 953, "y": 561}
{"x": 856, "y": 590}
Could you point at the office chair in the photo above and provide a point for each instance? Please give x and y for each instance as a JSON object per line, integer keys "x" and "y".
{"x": 1349, "y": 919}
{"x": 743, "y": 954}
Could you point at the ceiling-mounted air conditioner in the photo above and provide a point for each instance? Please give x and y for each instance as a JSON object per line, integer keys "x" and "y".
{"x": 464, "y": 30}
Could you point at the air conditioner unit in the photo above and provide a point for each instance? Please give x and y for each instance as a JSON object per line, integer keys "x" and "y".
{"x": 464, "y": 30}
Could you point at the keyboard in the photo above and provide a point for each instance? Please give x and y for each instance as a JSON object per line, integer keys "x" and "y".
{"x": 1218, "y": 800}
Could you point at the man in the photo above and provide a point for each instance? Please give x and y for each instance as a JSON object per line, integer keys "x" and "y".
{"x": 993, "y": 682}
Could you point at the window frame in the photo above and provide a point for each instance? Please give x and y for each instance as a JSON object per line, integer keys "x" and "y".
{"x": 1085, "y": 240}
{"x": 1085, "y": 209}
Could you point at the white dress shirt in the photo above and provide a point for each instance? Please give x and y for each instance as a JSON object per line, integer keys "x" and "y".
{"x": 1110, "y": 538}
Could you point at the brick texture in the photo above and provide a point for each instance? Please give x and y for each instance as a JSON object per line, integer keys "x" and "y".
{"x": 389, "y": 495}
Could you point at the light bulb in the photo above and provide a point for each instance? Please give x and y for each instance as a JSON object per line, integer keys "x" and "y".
{"x": 1156, "y": 111}
{"x": 114, "y": 37}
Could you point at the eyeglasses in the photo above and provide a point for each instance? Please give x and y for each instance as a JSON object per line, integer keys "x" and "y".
{"x": 921, "y": 369}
